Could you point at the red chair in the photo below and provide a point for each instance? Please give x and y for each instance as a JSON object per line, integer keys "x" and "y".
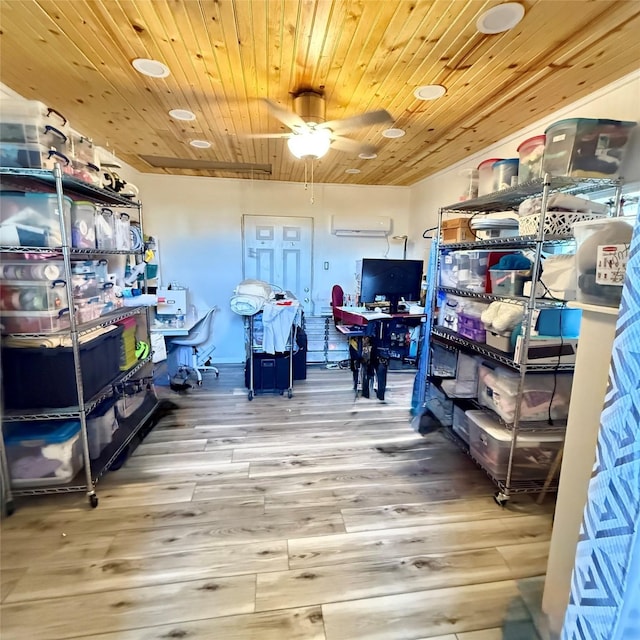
{"x": 337, "y": 300}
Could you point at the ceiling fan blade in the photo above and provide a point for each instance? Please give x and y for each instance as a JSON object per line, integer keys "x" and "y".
{"x": 291, "y": 119}
{"x": 266, "y": 135}
{"x": 351, "y": 146}
{"x": 357, "y": 122}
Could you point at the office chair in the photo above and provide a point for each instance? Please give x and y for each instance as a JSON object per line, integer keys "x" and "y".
{"x": 337, "y": 300}
{"x": 200, "y": 351}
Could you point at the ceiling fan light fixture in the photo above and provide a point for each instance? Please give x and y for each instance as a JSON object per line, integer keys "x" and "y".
{"x": 430, "y": 92}
{"x": 500, "y": 18}
{"x": 310, "y": 144}
{"x": 182, "y": 114}
{"x": 352, "y": 171}
{"x": 393, "y": 133}
{"x": 151, "y": 68}
{"x": 368, "y": 156}
{"x": 200, "y": 144}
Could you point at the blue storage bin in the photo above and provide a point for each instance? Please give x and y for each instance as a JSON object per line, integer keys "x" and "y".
{"x": 43, "y": 453}
{"x": 559, "y": 322}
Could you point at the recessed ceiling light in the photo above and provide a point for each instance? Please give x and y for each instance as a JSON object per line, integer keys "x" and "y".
{"x": 500, "y": 18}
{"x": 354, "y": 171}
{"x": 367, "y": 156}
{"x": 200, "y": 144}
{"x": 430, "y": 92}
{"x": 152, "y": 68}
{"x": 182, "y": 114}
{"x": 393, "y": 133}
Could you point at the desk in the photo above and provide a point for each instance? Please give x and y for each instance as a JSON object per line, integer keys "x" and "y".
{"x": 374, "y": 339}
{"x": 174, "y": 332}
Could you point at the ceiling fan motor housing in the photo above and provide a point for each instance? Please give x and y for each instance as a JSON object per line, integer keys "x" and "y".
{"x": 310, "y": 106}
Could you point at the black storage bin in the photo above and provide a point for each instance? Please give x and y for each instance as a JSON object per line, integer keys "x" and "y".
{"x": 40, "y": 377}
{"x": 270, "y": 372}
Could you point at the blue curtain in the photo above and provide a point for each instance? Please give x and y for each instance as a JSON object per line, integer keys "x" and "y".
{"x": 605, "y": 587}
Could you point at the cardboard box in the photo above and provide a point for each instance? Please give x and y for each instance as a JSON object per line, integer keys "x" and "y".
{"x": 457, "y": 230}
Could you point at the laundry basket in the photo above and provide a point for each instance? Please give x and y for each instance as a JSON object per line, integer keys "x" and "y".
{"x": 556, "y": 223}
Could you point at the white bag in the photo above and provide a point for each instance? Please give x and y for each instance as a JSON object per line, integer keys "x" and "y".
{"x": 559, "y": 276}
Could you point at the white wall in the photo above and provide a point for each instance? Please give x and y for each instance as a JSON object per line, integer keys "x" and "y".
{"x": 198, "y": 225}
{"x": 619, "y": 101}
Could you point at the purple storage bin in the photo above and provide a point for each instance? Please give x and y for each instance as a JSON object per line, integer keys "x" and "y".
{"x": 471, "y": 327}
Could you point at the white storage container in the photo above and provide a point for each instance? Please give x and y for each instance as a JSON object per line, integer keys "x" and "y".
{"x": 31, "y": 219}
{"x": 485, "y": 176}
{"x": 505, "y": 173}
{"x": 97, "y": 268}
{"x": 85, "y": 285}
{"x": 500, "y": 340}
{"x": 490, "y": 445}
{"x": 122, "y": 231}
{"x": 83, "y": 232}
{"x": 88, "y": 309}
{"x": 602, "y": 254}
{"x": 83, "y": 149}
{"x": 44, "y": 453}
{"x": 541, "y": 396}
{"x": 465, "y": 383}
{"x": 464, "y": 270}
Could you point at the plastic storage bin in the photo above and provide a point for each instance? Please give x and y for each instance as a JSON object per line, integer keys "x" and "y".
{"x": 34, "y": 321}
{"x": 586, "y": 147}
{"x": 83, "y": 233}
{"x": 27, "y": 295}
{"x": 101, "y": 425}
{"x": 43, "y": 453}
{"x": 31, "y": 219}
{"x": 32, "y": 122}
{"x": 439, "y": 405}
{"x": 45, "y": 378}
{"x": 469, "y": 323}
{"x": 485, "y": 176}
{"x": 29, "y": 156}
{"x": 85, "y": 285}
{"x": 543, "y": 395}
{"x": 32, "y": 269}
{"x": 93, "y": 268}
{"x": 88, "y": 309}
{"x": 530, "y": 163}
{"x": 603, "y": 248}
{"x": 508, "y": 282}
{"x": 105, "y": 229}
{"x": 465, "y": 270}
{"x": 505, "y": 173}
{"x": 83, "y": 150}
{"x": 490, "y": 445}
{"x": 460, "y": 423}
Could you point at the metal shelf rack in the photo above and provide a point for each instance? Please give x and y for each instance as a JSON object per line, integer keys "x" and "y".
{"x": 37, "y": 180}
{"x": 500, "y": 201}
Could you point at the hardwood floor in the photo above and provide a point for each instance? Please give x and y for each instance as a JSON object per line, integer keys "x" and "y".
{"x": 315, "y": 518}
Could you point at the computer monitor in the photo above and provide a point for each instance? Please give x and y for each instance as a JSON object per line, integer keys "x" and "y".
{"x": 390, "y": 280}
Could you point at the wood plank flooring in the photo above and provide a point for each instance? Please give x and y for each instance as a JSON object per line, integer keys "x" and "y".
{"x": 316, "y": 518}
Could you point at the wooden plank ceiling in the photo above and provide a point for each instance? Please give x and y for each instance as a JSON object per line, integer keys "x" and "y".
{"x": 225, "y": 55}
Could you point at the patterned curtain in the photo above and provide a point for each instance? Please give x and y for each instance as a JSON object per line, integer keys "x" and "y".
{"x": 605, "y": 587}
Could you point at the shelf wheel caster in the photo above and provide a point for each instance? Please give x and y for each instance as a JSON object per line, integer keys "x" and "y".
{"x": 289, "y": 394}
{"x": 217, "y": 374}
{"x": 199, "y": 383}
{"x": 250, "y": 396}
{"x": 93, "y": 500}
{"x": 9, "y": 508}
{"x": 500, "y": 498}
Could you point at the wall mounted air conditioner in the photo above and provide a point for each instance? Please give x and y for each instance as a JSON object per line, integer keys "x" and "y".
{"x": 346, "y": 225}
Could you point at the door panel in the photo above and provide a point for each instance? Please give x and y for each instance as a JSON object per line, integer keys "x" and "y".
{"x": 279, "y": 250}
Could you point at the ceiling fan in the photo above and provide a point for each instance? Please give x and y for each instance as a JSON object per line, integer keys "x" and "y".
{"x": 311, "y": 136}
